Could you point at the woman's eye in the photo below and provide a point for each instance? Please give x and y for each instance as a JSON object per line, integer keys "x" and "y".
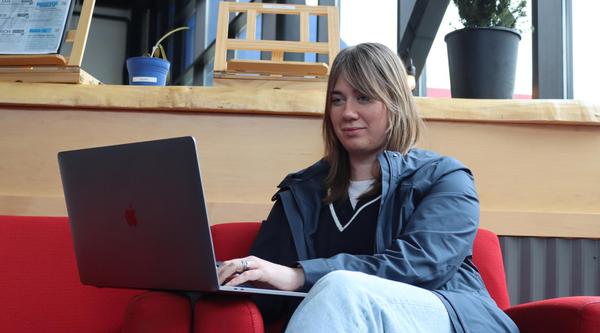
{"x": 363, "y": 99}
{"x": 336, "y": 101}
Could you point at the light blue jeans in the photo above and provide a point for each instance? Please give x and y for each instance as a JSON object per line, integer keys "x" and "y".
{"x": 344, "y": 301}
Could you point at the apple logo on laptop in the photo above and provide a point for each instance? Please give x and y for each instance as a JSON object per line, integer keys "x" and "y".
{"x": 130, "y": 216}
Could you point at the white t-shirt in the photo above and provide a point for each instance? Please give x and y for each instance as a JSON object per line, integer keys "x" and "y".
{"x": 358, "y": 187}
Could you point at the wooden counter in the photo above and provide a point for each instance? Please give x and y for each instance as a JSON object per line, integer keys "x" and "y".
{"x": 537, "y": 163}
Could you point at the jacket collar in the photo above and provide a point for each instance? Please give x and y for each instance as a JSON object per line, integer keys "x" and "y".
{"x": 304, "y": 193}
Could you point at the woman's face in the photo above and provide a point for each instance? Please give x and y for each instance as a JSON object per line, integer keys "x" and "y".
{"x": 359, "y": 122}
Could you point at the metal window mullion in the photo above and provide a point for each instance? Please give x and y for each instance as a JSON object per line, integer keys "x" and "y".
{"x": 197, "y": 68}
{"x": 568, "y": 46}
{"x": 552, "y": 49}
{"x": 322, "y": 28}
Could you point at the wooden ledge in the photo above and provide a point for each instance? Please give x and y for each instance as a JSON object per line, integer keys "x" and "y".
{"x": 33, "y": 60}
{"x": 163, "y": 99}
{"x": 571, "y": 112}
{"x": 294, "y": 68}
{"x": 305, "y": 102}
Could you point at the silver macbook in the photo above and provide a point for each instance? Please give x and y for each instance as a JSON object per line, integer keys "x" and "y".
{"x": 138, "y": 217}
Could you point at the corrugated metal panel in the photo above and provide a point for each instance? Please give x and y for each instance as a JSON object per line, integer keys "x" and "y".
{"x": 541, "y": 268}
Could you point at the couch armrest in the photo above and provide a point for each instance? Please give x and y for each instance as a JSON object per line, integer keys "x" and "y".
{"x": 578, "y": 314}
{"x": 221, "y": 313}
{"x": 155, "y": 311}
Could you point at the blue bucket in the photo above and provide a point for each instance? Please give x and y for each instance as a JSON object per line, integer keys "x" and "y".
{"x": 147, "y": 71}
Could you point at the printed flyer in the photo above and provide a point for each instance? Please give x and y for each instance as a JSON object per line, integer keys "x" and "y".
{"x": 32, "y": 26}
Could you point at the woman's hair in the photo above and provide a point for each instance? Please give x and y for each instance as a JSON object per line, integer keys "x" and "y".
{"x": 376, "y": 72}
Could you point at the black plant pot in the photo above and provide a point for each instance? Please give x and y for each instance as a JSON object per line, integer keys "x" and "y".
{"x": 482, "y": 62}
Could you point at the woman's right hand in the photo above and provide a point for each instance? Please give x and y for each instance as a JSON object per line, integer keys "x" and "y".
{"x": 255, "y": 270}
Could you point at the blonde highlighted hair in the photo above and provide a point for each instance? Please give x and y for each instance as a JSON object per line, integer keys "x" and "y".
{"x": 378, "y": 73}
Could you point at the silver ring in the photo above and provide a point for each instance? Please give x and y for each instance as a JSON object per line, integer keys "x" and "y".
{"x": 244, "y": 265}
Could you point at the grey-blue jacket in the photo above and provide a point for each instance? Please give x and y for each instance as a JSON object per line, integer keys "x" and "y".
{"x": 427, "y": 222}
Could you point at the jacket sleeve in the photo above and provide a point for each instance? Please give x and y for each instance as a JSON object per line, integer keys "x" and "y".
{"x": 431, "y": 246}
{"x": 274, "y": 243}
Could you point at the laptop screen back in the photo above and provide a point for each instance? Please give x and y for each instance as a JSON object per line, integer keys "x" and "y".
{"x": 138, "y": 215}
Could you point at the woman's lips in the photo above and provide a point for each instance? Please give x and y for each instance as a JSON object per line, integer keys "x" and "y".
{"x": 352, "y": 131}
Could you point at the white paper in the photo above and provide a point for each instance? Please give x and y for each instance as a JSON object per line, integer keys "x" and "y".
{"x": 32, "y": 26}
{"x": 274, "y": 6}
{"x": 144, "y": 79}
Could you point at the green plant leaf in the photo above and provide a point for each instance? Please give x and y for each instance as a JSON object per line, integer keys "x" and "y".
{"x": 163, "y": 53}
{"x": 156, "y": 46}
{"x": 491, "y": 13}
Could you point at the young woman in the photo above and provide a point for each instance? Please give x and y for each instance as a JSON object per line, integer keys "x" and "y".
{"x": 380, "y": 233}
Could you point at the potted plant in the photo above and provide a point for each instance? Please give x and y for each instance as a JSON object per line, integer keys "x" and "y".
{"x": 482, "y": 57}
{"x": 152, "y": 68}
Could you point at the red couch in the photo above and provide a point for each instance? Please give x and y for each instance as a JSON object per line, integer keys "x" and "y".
{"x": 40, "y": 289}
{"x": 560, "y": 315}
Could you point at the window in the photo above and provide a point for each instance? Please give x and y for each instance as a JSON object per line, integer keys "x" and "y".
{"x": 362, "y": 21}
{"x": 585, "y": 51}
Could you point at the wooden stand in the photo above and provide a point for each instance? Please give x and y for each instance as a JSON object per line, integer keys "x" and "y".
{"x": 275, "y": 73}
{"x": 53, "y": 68}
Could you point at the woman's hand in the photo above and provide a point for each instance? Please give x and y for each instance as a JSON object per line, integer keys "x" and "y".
{"x": 253, "y": 269}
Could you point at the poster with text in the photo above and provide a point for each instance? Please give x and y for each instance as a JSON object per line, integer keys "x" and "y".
{"x": 32, "y": 26}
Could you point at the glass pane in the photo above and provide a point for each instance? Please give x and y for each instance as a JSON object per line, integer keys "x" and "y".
{"x": 209, "y": 73}
{"x": 250, "y": 55}
{"x": 438, "y": 77}
{"x": 585, "y": 51}
{"x": 362, "y": 21}
{"x": 189, "y": 46}
{"x": 212, "y": 17}
{"x": 244, "y": 54}
{"x": 312, "y": 30}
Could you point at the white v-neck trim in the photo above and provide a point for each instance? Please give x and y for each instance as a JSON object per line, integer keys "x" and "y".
{"x": 337, "y": 221}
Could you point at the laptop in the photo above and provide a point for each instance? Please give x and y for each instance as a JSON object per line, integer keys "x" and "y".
{"x": 139, "y": 220}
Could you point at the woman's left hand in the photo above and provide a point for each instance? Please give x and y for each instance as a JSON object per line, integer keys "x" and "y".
{"x": 254, "y": 269}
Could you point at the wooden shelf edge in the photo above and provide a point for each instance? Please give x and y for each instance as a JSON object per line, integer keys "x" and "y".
{"x": 290, "y": 101}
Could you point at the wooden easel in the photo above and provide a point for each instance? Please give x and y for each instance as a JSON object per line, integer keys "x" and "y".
{"x": 53, "y": 67}
{"x": 275, "y": 72}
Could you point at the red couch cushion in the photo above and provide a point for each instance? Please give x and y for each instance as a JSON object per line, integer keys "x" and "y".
{"x": 576, "y": 314}
{"x": 40, "y": 289}
{"x": 156, "y": 311}
{"x": 488, "y": 259}
{"x": 221, "y": 313}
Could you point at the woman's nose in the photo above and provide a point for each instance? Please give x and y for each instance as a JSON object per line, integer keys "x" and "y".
{"x": 349, "y": 111}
